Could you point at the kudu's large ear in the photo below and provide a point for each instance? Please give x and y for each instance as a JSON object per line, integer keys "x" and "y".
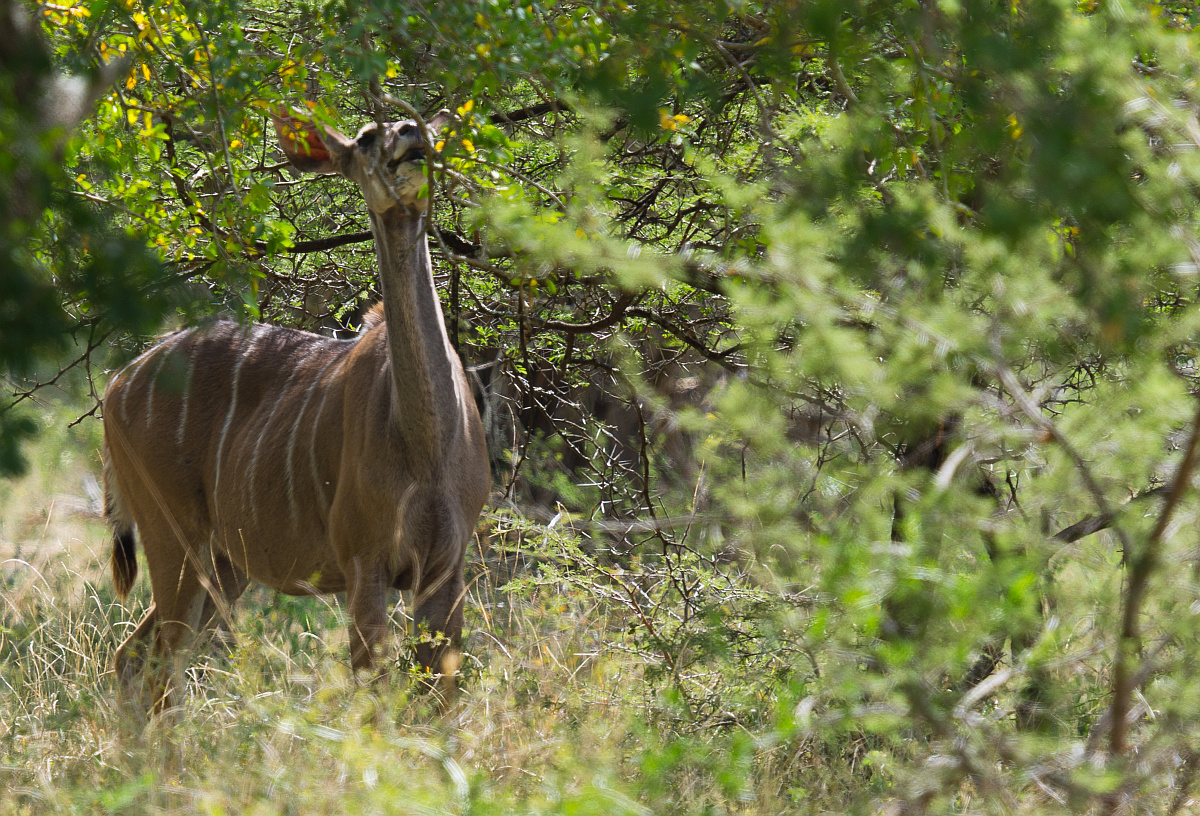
{"x": 309, "y": 147}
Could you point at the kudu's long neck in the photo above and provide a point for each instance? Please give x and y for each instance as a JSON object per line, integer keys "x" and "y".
{"x": 426, "y": 402}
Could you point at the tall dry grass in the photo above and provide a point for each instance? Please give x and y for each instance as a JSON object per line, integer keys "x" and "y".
{"x": 556, "y": 714}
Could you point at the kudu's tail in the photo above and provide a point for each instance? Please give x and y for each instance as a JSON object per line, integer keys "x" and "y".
{"x": 124, "y": 557}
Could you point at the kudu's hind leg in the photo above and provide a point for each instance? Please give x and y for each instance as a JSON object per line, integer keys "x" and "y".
{"x": 167, "y": 629}
{"x": 178, "y": 622}
{"x": 131, "y": 659}
{"x": 149, "y": 663}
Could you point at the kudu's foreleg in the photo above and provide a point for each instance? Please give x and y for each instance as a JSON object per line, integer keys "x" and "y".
{"x": 366, "y": 597}
{"x": 439, "y": 622}
{"x": 227, "y": 585}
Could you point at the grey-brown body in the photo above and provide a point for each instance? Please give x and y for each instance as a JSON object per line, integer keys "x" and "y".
{"x": 309, "y": 464}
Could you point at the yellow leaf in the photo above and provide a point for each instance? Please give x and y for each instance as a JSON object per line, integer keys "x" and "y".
{"x": 146, "y": 71}
{"x": 131, "y": 82}
{"x": 469, "y": 145}
{"x": 438, "y": 147}
{"x": 235, "y": 144}
{"x": 131, "y": 115}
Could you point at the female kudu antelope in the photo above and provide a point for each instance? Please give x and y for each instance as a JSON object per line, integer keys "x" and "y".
{"x": 310, "y": 464}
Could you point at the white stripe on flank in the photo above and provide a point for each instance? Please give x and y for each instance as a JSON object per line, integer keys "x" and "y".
{"x": 291, "y": 446}
{"x": 384, "y": 379}
{"x": 242, "y": 353}
{"x": 187, "y": 391}
{"x": 266, "y": 431}
{"x": 312, "y": 439}
{"x": 134, "y": 369}
{"x": 165, "y": 348}
{"x": 459, "y": 403}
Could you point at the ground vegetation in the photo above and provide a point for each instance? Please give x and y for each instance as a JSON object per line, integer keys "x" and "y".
{"x": 838, "y": 361}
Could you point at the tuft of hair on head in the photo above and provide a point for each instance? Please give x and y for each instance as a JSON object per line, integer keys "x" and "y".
{"x": 372, "y": 318}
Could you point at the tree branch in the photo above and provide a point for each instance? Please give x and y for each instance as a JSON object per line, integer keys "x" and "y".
{"x": 322, "y": 244}
{"x": 619, "y": 309}
{"x": 1141, "y": 567}
{"x": 530, "y": 112}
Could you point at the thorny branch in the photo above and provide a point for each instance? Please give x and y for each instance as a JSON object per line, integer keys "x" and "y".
{"x": 85, "y": 358}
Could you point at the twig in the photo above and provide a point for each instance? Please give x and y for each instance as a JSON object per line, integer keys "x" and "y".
{"x": 85, "y": 357}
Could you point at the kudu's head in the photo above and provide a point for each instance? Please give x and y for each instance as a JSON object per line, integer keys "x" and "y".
{"x": 386, "y": 161}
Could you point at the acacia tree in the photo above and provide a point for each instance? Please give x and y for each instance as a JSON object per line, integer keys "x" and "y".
{"x": 917, "y": 280}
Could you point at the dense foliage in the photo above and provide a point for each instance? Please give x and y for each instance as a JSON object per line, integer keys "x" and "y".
{"x": 113, "y": 284}
{"x": 850, "y": 343}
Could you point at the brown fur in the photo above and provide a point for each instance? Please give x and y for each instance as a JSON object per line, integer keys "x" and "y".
{"x": 372, "y": 318}
{"x": 309, "y": 464}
